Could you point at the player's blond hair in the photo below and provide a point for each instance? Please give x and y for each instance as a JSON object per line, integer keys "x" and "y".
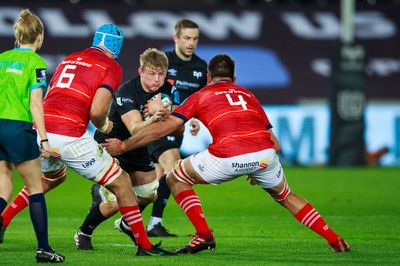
{"x": 27, "y": 28}
{"x": 152, "y": 57}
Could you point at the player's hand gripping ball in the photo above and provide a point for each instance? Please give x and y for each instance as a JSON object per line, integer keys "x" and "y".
{"x": 165, "y": 100}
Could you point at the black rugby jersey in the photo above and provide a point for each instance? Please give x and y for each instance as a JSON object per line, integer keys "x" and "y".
{"x": 187, "y": 76}
{"x": 131, "y": 96}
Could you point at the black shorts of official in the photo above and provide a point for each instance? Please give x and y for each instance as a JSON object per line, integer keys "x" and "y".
{"x": 156, "y": 148}
{"x": 17, "y": 141}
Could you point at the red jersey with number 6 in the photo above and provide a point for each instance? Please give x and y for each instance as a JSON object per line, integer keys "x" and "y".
{"x": 233, "y": 115}
{"x": 72, "y": 88}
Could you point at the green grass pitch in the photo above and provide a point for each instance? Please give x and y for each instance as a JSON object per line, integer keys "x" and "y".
{"x": 361, "y": 204}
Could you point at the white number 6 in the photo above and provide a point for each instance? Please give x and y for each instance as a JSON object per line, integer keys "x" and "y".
{"x": 66, "y": 76}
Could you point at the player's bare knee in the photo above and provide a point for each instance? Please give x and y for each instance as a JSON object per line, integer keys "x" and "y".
{"x": 108, "y": 209}
{"x": 50, "y": 184}
{"x": 146, "y": 201}
{"x": 54, "y": 179}
{"x": 109, "y": 197}
{"x": 170, "y": 178}
{"x": 116, "y": 191}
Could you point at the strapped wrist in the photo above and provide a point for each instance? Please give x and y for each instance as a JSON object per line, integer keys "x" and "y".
{"x": 104, "y": 127}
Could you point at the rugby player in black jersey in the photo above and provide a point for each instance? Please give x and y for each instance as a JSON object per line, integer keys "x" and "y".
{"x": 127, "y": 114}
{"x": 188, "y": 73}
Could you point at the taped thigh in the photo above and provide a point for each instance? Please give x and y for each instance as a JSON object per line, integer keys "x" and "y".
{"x": 109, "y": 173}
{"x": 147, "y": 191}
{"x": 180, "y": 173}
{"x": 54, "y": 176}
{"x": 283, "y": 194}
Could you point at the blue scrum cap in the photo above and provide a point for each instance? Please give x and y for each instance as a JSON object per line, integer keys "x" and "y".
{"x": 111, "y": 37}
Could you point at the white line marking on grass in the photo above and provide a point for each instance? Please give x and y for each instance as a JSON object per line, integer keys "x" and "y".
{"x": 116, "y": 245}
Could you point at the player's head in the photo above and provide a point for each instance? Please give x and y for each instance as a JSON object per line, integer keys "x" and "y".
{"x": 221, "y": 66}
{"x": 153, "y": 58}
{"x": 28, "y": 29}
{"x": 110, "y": 37}
{"x": 153, "y": 69}
{"x": 184, "y": 24}
{"x": 186, "y": 38}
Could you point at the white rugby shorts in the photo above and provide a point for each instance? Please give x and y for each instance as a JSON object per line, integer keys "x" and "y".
{"x": 263, "y": 166}
{"x": 83, "y": 154}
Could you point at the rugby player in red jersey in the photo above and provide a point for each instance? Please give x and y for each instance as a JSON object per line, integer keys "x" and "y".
{"x": 243, "y": 144}
{"x": 80, "y": 91}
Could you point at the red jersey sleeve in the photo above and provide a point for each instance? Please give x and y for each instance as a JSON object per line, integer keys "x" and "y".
{"x": 188, "y": 108}
{"x": 113, "y": 78}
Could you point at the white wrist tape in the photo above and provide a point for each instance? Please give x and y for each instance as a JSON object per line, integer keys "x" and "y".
{"x": 104, "y": 127}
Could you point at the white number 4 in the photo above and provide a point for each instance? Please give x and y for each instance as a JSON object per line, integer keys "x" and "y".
{"x": 241, "y": 101}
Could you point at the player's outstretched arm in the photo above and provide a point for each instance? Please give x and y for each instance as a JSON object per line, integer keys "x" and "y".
{"x": 145, "y": 136}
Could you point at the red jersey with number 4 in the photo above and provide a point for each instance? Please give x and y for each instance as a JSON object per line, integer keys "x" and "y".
{"x": 233, "y": 115}
{"x": 73, "y": 86}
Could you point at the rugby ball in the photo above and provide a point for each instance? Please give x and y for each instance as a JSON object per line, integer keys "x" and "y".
{"x": 165, "y": 99}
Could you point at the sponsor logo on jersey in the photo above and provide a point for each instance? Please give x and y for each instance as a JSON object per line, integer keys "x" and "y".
{"x": 40, "y": 74}
{"x": 170, "y": 138}
{"x": 119, "y": 102}
{"x": 171, "y": 81}
{"x": 172, "y": 72}
{"x": 122, "y": 100}
{"x": 197, "y": 74}
{"x": 14, "y": 70}
{"x": 185, "y": 84}
{"x": 13, "y": 67}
